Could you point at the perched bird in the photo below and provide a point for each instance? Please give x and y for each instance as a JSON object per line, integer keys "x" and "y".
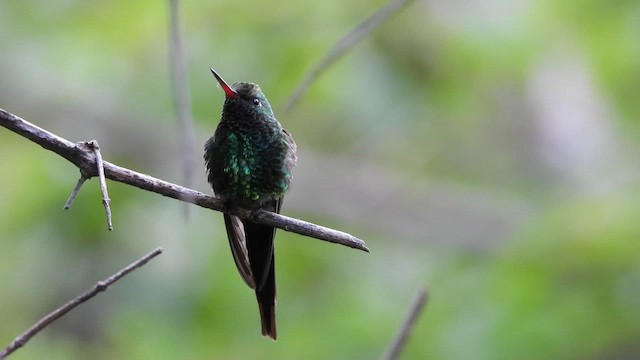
{"x": 250, "y": 160}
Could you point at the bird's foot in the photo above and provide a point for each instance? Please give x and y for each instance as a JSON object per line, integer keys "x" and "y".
{"x": 227, "y": 206}
{"x": 254, "y": 214}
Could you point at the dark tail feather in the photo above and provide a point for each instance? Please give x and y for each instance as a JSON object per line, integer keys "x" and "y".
{"x": 267, "y": 304}
{"x": 259, "y": 241}
{"x": 261, "y": 258}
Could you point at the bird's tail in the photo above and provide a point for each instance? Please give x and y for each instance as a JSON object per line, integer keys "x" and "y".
{"x": 261, "y": 258}
{"x": 267, "y": 303}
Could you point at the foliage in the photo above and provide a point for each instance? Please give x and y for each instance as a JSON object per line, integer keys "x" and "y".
{"x": 486, "y": 150}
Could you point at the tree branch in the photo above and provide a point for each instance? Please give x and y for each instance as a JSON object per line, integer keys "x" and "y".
{"x": 341, "y": 47}
{"x": 93, "y": 145}
{"x": 72, "y": 197}
{"x": 85, "y": 160}
{"x": 396, "y": 347}
{"x": 180, "y": 92}
{"x": 64, "y": 309}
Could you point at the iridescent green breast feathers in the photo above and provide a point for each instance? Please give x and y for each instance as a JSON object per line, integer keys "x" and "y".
{"x": 251, "y": 157}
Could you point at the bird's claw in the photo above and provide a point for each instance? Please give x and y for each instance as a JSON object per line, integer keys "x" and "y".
{"x": 254, "y": 214}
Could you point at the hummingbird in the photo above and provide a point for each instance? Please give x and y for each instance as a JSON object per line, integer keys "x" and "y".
{"x": 249, "y": 161}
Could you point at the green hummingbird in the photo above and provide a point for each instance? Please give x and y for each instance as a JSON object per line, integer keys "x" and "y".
{"x": 249, "y": 160}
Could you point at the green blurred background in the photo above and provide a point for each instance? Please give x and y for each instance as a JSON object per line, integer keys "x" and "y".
{"x": 485, "y": 149}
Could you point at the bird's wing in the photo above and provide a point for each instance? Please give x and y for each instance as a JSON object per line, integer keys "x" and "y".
{"x": 237, "y": 241}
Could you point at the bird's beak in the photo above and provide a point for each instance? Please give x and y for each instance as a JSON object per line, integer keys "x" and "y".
{"x": 231, "y": 94}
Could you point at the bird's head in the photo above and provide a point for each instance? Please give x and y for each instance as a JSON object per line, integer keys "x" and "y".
{"x": 244, "y": 96}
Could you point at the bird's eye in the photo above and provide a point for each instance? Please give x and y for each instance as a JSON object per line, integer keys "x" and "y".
{"x": 256, "y": 102}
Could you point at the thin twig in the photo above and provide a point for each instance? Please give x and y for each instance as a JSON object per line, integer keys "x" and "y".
{"x": 396, "y": 347}
{"x": 72, "y": 197}
{"x": 85, "y": 160}
{"x": 106, "y": 201}
{"x": 342, "y": 46}
{"x": 180, "y": 92}
{"x": 62, "y": 310}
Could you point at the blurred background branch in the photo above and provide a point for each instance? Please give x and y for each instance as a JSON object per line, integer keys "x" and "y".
{"x": 101, "y": 286}
{"x": 341, "y": 47}
{"x": 181, "y": 98}
{"x": 404, "y": 331}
